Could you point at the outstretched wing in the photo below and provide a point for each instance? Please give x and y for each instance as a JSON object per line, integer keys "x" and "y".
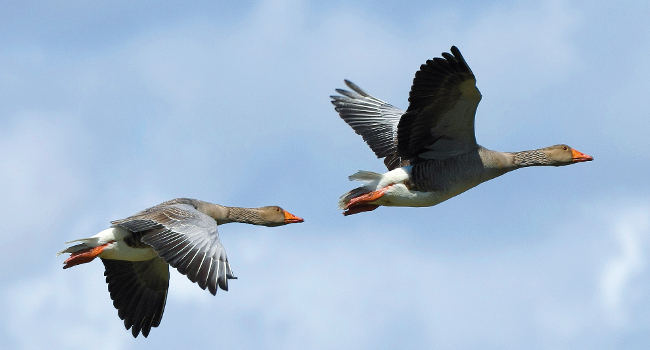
{"x": 373, "y": 119}
{"x": 139, "y": 291}
{"x": 187, "y": 239}
{"x": 439, "y": 122}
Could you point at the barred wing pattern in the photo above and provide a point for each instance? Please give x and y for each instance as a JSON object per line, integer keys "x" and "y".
{"x": 186, "y": 239}
{"x": 373, "y": 119}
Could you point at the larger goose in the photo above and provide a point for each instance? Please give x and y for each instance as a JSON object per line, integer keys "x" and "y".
{"x": 430, "y": 150}
{"x": 182, "y": 232}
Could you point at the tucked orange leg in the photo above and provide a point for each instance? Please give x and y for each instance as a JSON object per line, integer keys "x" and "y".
{"x": 84, "y": 256}
{"x": 362, "y": 203}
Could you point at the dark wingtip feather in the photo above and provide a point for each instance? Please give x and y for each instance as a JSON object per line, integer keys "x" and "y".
{"x": 460, "y": 58}
{"x": 347, "y": 93}
{"x": 212, "y": 287}
{"x": 356, "y": 88}
{"x": 221, "y": 276}
{"x": 456, "y": 52}
{"x": 350, "y": 84}
{"x": 135, "y": 331}
{"x": 140, "y": 305}
{"x": 222, "y": 281}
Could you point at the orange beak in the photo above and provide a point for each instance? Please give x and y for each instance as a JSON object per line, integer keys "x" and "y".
{"x": 291, "y": 219}
{"x": 578, "y": 156}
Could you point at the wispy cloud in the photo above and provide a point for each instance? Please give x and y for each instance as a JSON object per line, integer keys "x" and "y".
{"x": 40, "y": 177}
{"x": 60, "y": 310}
{"x": 632, "y": 232}
{"x": 237, "y": 112}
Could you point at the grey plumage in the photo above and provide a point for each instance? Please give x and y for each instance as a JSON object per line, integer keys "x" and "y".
{"x": 138, "y": 250}
{"x": 373, "y": 119}
{"x": 186, "y": 238}
{"x": 468, "y": 169}
{"x": 530, "y": 158}
{"x": 435, "y": 137}
{"x": 438, "y": 124}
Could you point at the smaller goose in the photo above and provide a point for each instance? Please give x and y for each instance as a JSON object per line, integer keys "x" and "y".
{"x": 182, "y": 232}
{"x": 430, "y": 150}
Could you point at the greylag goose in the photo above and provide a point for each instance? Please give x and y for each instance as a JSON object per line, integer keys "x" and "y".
{"x": 430, "y": 149}
{"x": 182, "y": 232}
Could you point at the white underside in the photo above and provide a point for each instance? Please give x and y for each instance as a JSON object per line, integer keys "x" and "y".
{"x": 117, "y": 249}
{"x": 398, "y": 195}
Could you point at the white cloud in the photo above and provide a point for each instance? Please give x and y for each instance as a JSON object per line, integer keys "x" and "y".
{"x": 35, "y": 162}
{"x": 162, "y": 111}
{"x": 300, "y": 286}
{"x": 632, "y": 231}
{"x": 60, "y": 310}
{"x": 39, "y": 174}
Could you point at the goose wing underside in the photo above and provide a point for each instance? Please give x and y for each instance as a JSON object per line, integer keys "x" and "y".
{"x": 186, "y": 239}
{"x": 439, "y": 122}
{"x": 139, "y": 291}
{"x": 375, "y": 120}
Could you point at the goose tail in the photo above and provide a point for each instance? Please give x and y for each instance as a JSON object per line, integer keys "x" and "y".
{"x": 345, "y": 198}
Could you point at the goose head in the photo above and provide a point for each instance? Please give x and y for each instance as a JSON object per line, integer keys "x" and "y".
{"x": 276, "y": 216}
{"x": 559, "y": 155}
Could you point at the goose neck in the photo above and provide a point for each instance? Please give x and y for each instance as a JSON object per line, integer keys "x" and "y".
{"x": 243, "y": 215}
{"x": 535, "y": 157}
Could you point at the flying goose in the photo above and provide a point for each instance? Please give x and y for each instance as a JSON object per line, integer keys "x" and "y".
{"x": 182, "y": 232}
{"x": 430, "y": 150}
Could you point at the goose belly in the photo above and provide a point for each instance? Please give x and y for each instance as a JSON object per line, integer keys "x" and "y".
{"x": 118, "y": 249}
{"x": 400, "y": 196}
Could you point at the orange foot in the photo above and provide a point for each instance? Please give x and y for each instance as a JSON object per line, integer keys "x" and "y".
{"x": 84, "y": 256}
{"x": 360, "y": 209}
{"x": 362, "y": 203}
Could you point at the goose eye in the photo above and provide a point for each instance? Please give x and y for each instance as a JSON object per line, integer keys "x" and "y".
{"x": 565, "y": 148}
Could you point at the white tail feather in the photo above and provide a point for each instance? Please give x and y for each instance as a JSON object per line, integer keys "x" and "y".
{"x": 94, "y": 241}
{"x": 75, "y": 248}
{"x": 371, "y": 180}
{"x": 366, "y": 176}
{"x": 85, "y": 240}
{"x": 345, "y": 198}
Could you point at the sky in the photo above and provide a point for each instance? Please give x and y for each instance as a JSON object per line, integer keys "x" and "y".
{"x": 107, "y": 108}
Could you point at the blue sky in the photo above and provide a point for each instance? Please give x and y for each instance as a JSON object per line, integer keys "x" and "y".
{"x": 108, "y": 108}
